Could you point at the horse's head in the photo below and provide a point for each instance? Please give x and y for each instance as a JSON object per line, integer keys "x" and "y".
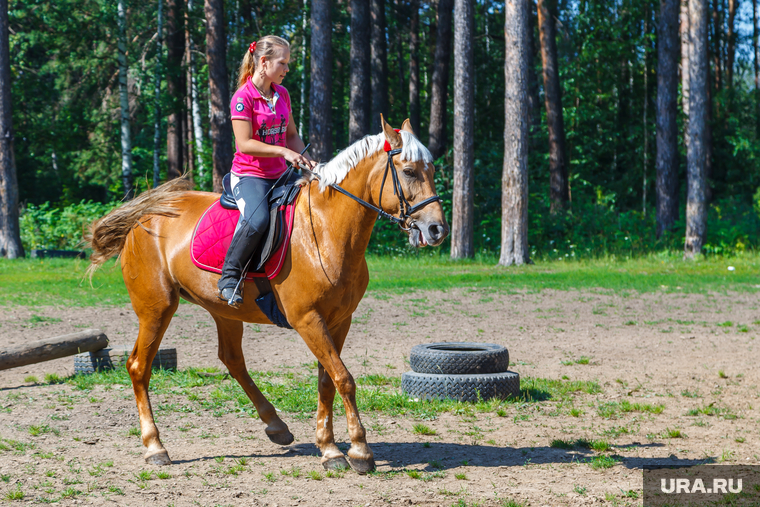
{"x": 403, "y": 184}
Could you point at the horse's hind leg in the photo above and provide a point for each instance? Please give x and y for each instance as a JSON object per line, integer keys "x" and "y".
{"x": 231, "y": 354}
{"x": 154, "y": 317}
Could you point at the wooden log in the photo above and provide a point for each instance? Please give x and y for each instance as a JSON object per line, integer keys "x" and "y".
{"x": 88, "y": 340}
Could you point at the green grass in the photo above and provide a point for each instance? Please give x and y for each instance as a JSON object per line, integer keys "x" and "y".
{"x": 434, "y": 270}
{"x": 421, "y": 429}
{"x": 674, "y": 433}
{"x": 597, "y": 445}
{"x": 603, "y": 461}
{"x": 612, "y": 410}
{"x": 710, "y": 410}
{"x": 35, "y": 320}
{"x": 43, "y": 282}
{"x": 144, "y": 475}
{"x": 561, "y": 444}
{"x": 297, "y": 393}
{"x": 35, "y": 430}
{"x": 15, "y": 494}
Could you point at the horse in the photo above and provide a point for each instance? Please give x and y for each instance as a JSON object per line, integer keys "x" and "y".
{"x": 323, "y": 278}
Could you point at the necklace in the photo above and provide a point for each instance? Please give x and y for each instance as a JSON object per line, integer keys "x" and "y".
{"x": 263, "y": 95}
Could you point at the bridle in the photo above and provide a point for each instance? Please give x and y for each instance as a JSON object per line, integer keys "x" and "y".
{"x": 405, "y": 208}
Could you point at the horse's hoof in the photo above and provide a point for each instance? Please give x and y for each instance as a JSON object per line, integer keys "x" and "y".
{"x": 285, "y": 438}
{"x": 362, "y": 466}
{"x": 160, "y": 458}
{"x": 338, "y": 463}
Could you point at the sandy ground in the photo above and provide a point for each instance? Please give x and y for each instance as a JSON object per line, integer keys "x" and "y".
{"x": 683, "y": 351}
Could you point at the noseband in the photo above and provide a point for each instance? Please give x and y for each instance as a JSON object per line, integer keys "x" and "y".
{"x": 405, "y": 208}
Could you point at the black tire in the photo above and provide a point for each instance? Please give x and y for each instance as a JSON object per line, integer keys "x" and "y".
{"x": 116, "y": 357}
{"x": 426, "y": 386}
{"x": 459, "y": 358}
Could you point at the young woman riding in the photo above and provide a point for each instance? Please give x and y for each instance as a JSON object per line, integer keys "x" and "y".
{"x": 266, "y": 139}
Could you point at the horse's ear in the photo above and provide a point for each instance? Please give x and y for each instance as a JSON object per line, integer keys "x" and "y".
{"x": 391, "y": 136}
{"x": 407, "y": 125}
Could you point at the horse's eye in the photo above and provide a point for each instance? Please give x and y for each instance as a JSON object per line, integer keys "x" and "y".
{"x": 409, "y": 172}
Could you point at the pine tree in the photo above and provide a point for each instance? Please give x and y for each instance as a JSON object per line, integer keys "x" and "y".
{"x": 464, "y": 111}
{"x": 218, "y": 91}
{"x": 514, "y": 180}
{"x": 667, "y": 107}
{"x": 10, "y": 239}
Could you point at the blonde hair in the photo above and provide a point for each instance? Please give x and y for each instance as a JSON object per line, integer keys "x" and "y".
{"x": 266, "y": 47}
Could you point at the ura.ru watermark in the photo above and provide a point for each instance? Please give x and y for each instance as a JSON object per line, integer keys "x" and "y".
{"x": 716, "y": 486}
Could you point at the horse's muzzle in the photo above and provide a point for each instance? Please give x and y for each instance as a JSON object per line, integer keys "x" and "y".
{"x": 436, "y": 233}
{"x": 428, "y": 233}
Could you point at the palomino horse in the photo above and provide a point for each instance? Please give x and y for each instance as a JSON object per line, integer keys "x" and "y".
{"x": 318, "y": 289}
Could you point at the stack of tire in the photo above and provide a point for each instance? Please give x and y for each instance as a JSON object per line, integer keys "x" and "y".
{"x": 116, "y": 357}
{"x": 460, "y": 371}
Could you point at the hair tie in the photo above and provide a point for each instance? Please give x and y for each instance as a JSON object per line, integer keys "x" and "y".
{"x": 252, "y": 47}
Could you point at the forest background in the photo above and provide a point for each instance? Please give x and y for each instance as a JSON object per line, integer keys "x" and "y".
{"x": 67, "y": 114}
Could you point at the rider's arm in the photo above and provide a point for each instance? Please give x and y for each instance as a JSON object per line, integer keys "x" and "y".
{"x": 293, "y": 140}
{"x": 246, "y": 144}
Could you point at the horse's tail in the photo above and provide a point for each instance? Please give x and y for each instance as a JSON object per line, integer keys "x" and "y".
{"x": 107, "y": 235}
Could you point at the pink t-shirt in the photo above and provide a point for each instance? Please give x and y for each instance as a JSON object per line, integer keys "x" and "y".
{"x": 269, "y": 126}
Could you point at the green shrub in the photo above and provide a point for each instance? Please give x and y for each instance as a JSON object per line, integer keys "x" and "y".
{"x": 49, "y": 227}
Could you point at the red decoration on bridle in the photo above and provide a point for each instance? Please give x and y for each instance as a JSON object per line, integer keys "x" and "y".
{"x": 387, "y": 145}
{"x": 252, "y": 47}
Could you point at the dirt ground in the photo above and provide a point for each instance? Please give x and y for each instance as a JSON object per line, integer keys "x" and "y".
{"x": 682, "y": 351}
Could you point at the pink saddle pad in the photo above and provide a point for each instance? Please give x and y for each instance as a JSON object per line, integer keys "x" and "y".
{"x": 213, "y": 235}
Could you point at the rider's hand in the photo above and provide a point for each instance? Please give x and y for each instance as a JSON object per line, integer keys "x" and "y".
{"x": 299, "y": 160}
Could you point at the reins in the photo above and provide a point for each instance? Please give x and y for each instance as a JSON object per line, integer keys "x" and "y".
{"x": 405, "y": 208}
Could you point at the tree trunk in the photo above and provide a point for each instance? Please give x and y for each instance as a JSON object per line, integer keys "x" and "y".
{"x": 359, "y": 101}
{"x": 464, "y": 109}
{"x": 47, "y": 349}
{"x": 218, "y": 91}
{"x": 559, "y": 190}
{"x": 717, "y": 27}
{"x": 188, "y": 124}
{"x": 534, "y": 101}
{"x": 175, "y": 44}
{"x": 733, "y": 5}
{"x": 10, "y": 238}
{"x": 667, "y": 108}
{"x": 248, "y": 27}
{"x": 685, "y": 76}
{"x": 196, "y": 108}
{"x": 696, "y": 210}
{"x": 157, "y": 99}
{"x": 126, "y": 143}
{"x": 514, "y": 180}
{"x": 414, "y": 65}
{"x": 304, "y": 39}
{"x": 379, "y": 65}
{"x": 320, "y": 121}
{"x": 399, "y": 38}
{"x": 440, "y": 79}
{"x": 756, "y": 61}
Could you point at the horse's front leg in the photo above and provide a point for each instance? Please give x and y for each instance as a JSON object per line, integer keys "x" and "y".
{"x": 317, "y": 337}
{"x": 332, "y": 457}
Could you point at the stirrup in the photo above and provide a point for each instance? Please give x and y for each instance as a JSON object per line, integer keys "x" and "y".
{"x": 232, "y": 295}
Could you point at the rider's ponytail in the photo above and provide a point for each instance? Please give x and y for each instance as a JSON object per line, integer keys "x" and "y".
{"x": 266, "y": 47}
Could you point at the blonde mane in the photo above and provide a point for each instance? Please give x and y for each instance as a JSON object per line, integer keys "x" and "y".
{"x": 336, "y": 169}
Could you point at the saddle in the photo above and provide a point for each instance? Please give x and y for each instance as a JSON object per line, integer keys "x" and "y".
{"x": 282, "y": 195}
{"x": 213, "y": 235}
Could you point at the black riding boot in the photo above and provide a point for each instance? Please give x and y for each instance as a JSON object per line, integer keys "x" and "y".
{"x": 243, "y": 244}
